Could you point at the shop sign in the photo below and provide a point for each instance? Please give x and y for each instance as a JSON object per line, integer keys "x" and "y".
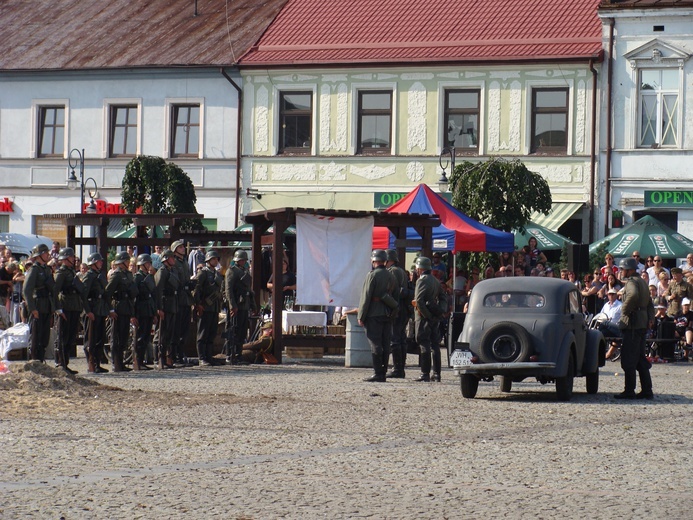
{"x": 385, "y": 199}
{"x": 106, "y": 208}
{"x": 668, "y": 199}
{"x": 6, "y": 206}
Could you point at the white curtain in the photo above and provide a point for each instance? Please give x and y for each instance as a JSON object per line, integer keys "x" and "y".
{"x": 333, "y": 258}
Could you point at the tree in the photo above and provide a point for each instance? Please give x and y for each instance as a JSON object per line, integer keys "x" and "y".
{"x": 499, "y": 193}
{"x": 155, "y": 186}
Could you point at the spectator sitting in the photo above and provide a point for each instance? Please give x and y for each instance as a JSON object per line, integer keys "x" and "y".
{"x": 684, "y": 327}
{"x": 612, "y": 308}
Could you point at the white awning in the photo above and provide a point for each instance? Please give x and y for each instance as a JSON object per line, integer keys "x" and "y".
{"x": 560, "y": 212}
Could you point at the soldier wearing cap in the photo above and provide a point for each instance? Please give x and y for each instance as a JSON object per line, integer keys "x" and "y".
{"x": 121, "y": 292}
{"x": 167, "y": 286}
{"x": 185, "y": 300}
{"x": 398, "y": 342}
{"x": 38, "y": 294}
{"x": 145, "y": 310}
{"x": 379, "y": 299}
{"x": 67, "y": 297}
{"x": 427, "y": 322}
{"x": 240, "y": 300}
{"x": 96, "y": 309}
{"x": 207, "y": 295}
{"x": 677, "y": 290}
{"x": 637, "y": 312}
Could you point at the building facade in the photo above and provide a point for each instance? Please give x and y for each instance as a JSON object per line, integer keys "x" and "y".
{"x": 646, "y": 145}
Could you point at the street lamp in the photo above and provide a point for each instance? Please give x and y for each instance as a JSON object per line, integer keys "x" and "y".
{"x": 75, "y": 159}
{"x": 443, "y": 183}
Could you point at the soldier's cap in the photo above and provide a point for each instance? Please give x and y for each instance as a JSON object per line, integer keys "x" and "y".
{"x": 685, "y": 301}
{"x": 676, "y": 270}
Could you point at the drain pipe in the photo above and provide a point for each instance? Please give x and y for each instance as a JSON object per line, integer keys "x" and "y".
{"x": 593, "y": 150}
{"x": 609, "y": 116}
{"x": 238, "y": 143}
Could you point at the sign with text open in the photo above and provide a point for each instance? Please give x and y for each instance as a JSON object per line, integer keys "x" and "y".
{"x": 668, "y": 199}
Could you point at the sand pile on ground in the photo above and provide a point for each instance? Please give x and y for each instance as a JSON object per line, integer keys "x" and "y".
{"x": 39, "y": 377}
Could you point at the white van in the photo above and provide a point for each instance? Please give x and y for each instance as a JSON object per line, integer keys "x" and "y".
{"x": 21, "y": 245}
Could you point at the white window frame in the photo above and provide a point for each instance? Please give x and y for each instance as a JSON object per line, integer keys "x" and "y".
{"x": 353, "y": 126}
{"x": 637, "y": 130}
{"x": 462, "y": 85}
{"x": 530, "y": 85}
{"x": 36, "y": 105}
{"x": 107, "y": 104}
{"x": 168, "y": 107}
{"x": 278, "y": 89}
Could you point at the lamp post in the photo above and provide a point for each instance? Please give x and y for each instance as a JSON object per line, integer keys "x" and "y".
{"x": 75, "y": 159}
{"x": 443, "y": 183}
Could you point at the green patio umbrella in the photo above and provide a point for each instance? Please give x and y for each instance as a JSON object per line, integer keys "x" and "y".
{"x": 648, "y": 236}
{"x": 547, "y": 240}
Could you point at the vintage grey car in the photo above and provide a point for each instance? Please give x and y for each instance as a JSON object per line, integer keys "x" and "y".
{"x": 523, "y": 327}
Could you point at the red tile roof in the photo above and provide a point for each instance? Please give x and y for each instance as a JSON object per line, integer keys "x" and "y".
{"x": 403, "y": 31}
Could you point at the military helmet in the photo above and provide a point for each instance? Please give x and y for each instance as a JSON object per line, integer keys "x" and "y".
{"x": 122, "y": 258}
{"x": 93, "y": 258}
{"x": 143, "y": 259}
{"x": 38, "y": 250}
{"x": 392, "y": 255}
{"x": 176, "y": 245}
{"x": 628, "y": 263}
{"x": 211, "y": 254}
{"x": 166, "y": 255}
{"x": 240, "y": 255}
{"x": 378, "y": 255}
{"x": 423, "y": 263}
{"x": 66, "y": 252}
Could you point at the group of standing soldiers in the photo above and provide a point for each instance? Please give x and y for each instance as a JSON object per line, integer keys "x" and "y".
{"x": 164, "y": 298}
{"x": 384, "y": 310}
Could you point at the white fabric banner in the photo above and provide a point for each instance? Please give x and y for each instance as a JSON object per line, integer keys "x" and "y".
{"x": 333, "y": 258}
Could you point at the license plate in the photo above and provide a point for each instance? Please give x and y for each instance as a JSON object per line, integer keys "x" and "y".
{"x": 461, "y": 358}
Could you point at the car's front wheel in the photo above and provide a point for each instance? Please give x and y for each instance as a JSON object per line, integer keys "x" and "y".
{"x": 592, "y": 382}
{"x": 564, "y": 385}
{"x": 470, "y": 385}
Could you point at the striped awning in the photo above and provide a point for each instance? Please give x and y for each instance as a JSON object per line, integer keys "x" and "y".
{"x": 560, "y": 212}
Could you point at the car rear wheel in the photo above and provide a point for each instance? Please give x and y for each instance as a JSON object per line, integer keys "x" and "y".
{"x": 592, "y": 382}
{"x": 506, "y": 384}
{"x": 564, "y": 385}
{"x": 470, "y": 385}
{"x": 505, "y": 342}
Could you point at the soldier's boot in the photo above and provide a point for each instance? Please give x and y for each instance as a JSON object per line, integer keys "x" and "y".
{"x": 66, "y": 361}
{"x": 436, "y": 364}
{"x": 397, "y": 371}
{"x": 118, "y": 364}
{"x": 96, "y": 358}
{"x": 378, "y": 369}
{"x": 425, "y": 367}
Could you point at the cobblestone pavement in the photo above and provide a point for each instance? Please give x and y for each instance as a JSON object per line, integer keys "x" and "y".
{"x": 311, "y": 440}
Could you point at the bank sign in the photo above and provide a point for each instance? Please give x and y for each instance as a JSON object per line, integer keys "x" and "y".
{"x": 668, "y": 199}
{"x": 385, "y": 199}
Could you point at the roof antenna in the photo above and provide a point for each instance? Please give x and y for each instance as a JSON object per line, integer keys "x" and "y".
{"x": 195, "y": 13}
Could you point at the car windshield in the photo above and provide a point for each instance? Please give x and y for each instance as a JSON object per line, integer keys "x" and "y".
{"x": 514, "y": 299}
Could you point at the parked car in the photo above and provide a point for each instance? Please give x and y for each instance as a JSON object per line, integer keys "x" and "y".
{"x": 527, "y": 327}
{"x": 21, "y": 245}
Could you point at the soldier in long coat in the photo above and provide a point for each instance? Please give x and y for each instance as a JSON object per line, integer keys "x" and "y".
{"x": 167, "y": 285}
{"x": 96, "y": 309}
{"x": 38, "y": 294}
{"x": 145, "y": 310}
{"x": 121, "y": 292}
{"x": 239, "y": 300}
{"x": 398, "y": 343}
{"x": 67, "y": 298}
{"x": 207, "y": 295}
{"x": 426, "y": 322}
{"x": 185, "y": 300}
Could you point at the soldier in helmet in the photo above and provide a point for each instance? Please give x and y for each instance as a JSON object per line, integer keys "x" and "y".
{"x": 379, "y": 299}
{"x": 67, "y": 294}
{"x": 207, "y": 295}
{"x": 96, "y": 309}
{"x": 398, "y": 343}
{"x": 167, "y": 286}
{"x": 121, "y": 292}
{"x": 239, "y": 298}
{"x": 145, "y": 310}
{"x": 185, "y": 300}
{"x": 38, "y": 294}
{"x": 427, "y": 319}
{"x": 637, "y": 312}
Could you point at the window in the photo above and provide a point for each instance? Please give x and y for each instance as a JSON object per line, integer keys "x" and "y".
{"x": 461, "y": 121}
{"x": 659, "y": 102}
{"x": 374, "y": 122}
{"x": 51, "y": 131}
{"x": 185, "y": 131}
{"x": 123, "y": 131}
{"x": 550, "y": 120}
{"x": 295, "y": 119}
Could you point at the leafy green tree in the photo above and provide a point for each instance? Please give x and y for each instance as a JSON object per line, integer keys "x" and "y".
{"x": 499, "y": 193}
{"x": 155, "y": 186}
